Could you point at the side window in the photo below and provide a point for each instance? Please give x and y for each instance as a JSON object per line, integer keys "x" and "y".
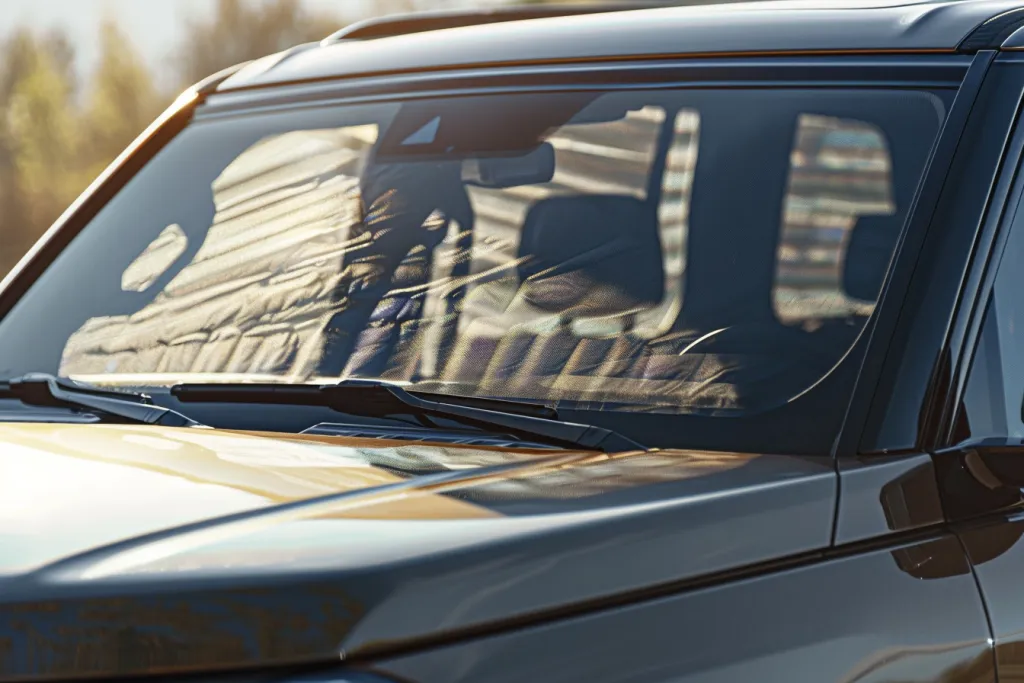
{"x": 994, "y": 396}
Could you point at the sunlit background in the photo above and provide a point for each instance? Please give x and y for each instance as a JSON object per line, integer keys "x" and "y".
{"x": 80, "y": 78}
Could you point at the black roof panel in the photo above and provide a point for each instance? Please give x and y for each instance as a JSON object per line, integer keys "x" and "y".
{"x": 755, "y": 27}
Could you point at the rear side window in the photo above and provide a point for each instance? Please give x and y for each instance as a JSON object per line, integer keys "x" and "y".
{"x": 703, "y": 252}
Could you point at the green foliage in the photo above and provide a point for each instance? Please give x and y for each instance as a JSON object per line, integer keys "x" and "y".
{"x": 56, "y": 135}
{"x": 241, "y": 31}
{"x": 38, "y": 140}
{"x": 121, "y": 102}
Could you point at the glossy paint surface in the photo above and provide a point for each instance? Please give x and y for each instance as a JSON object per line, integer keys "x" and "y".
{"x": 997, "y": 551}
{"x": 65, "y": 489}
{"x": 212, "y": 549}
{"x": 881, "y": 496}
{"x": 133, "y": 551}
{"x": 862, "y": 618}
{"x": 787, "y": 26}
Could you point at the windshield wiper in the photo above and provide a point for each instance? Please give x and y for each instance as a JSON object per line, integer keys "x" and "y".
{"x": 370, "y": 398}
{"x": 39, "y": 389}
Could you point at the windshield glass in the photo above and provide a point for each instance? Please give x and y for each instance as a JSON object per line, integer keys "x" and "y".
{"x": 705, "y": 252}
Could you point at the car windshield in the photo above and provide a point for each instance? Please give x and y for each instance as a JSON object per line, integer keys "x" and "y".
{"x": 701, "y": 252}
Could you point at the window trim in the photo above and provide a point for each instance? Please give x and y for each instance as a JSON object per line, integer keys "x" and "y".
{"x": 852, "y": 71}
{"x": 1006, "y": 209}
{"x": 930, "y": 340}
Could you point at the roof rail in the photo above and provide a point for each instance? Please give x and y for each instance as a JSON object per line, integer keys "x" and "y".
{"x": 420, "y": 22}
{"x": 991, "y": 34}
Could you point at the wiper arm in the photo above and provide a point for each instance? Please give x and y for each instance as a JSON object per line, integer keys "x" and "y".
{"x": 370, "y": 398}
{"x": 39, "y": 389}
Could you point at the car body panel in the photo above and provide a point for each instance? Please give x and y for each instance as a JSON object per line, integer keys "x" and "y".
{"x": 996, "y": 550}
{"x": 863, "y": 618}
{"x": 882, "y": 496}
{"x": 331, "y": 533}
{"x": 765, "y": 27}
{"x": 136, "y": 480}
{"x": 196, "y": 551}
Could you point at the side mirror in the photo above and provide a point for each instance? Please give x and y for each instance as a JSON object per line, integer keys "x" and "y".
{"x": 912, "y": 500}
{"x": 532, "y": 168}
{"x": 981, "y": 476}
{"x": 996, "y": 463}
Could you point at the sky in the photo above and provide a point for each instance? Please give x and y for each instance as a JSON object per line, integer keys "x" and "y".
{"x": 154, "y": 25}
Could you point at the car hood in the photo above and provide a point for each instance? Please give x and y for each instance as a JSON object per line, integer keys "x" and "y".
{"x": 128, "y": 550}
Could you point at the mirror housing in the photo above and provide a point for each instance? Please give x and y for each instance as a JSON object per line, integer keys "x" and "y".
{"x": 971, "y": 481}
{"x": 995, "y": 463}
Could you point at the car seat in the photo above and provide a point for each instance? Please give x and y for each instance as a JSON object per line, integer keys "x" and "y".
{"x": 580, "y": 257}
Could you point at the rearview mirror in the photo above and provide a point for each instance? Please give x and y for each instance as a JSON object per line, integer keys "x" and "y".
{"x": 532, "y": 168}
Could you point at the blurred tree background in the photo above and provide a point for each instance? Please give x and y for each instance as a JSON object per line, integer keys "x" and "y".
{"x": 58, "y": 134}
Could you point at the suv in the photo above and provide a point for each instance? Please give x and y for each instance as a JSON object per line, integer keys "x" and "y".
{"x": 679, "y": 344}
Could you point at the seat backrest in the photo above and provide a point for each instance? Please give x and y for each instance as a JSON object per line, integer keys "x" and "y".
{"x": 868, "y": 253}
{"x": 591, "y": 255}
{"x": 580, "y": 256}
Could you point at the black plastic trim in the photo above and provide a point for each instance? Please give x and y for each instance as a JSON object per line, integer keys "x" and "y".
{"x": 1004, "y": 206}
{"x": 991, "y": 34}
{"x": 213, "y": 81}
{"x": 931, "y": 72}
{"x": 863, "y": 405}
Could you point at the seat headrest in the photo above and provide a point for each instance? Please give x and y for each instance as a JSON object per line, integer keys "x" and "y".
{"x": 591, "y": 255}
{"x": 868, "y": 253}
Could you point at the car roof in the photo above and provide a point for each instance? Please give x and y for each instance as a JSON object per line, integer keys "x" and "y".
{"x": 767, "y": 27}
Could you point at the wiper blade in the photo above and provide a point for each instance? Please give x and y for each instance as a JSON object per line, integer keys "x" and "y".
{"x": 40, "y": 389}
{"x": 370, "y": 398}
